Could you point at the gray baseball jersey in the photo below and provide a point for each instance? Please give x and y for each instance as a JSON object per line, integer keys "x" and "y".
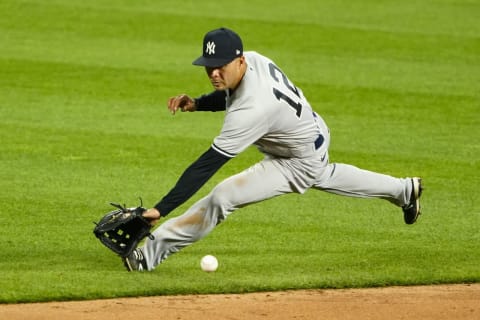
{"x": 269, "y": 111}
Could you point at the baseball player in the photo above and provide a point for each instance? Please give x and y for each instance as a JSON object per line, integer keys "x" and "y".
{"x": 262, "y": 108}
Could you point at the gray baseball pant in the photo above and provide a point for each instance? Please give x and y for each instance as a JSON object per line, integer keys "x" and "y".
{"x": 266, "y": 179}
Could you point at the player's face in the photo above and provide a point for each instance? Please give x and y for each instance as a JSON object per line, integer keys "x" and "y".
{"x": 227, "y": 76}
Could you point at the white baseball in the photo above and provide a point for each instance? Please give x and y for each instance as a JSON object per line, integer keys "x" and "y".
{"x": 209, "y": 263}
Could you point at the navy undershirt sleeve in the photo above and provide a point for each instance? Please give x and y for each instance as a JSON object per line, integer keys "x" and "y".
{"x": 214, "y": 101}
{"x": 192, "y": 180}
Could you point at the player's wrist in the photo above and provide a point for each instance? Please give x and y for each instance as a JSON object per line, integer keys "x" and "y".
{"x": 194, "y": 104}
{"x": 152, "y": 214}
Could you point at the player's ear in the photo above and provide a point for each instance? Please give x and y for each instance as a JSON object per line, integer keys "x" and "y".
{"x": 241, "y": 62}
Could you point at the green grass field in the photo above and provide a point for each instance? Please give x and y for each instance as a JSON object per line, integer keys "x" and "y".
{"x": 83, "y": 121}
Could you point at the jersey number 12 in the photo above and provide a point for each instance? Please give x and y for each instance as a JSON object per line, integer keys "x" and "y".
{"x": 281, "y": 95}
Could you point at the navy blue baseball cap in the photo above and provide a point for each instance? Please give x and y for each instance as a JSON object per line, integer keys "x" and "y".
{"x": 220, "y": 47}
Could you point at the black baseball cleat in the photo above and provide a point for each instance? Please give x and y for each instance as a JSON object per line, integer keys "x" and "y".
{"x": 135, "y": 261}
{"x": 411, "y": 211}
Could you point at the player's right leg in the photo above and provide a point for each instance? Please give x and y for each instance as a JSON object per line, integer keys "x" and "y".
{"x": 351, "y": 181}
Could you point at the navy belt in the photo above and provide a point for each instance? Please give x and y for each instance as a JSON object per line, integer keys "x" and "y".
{"x": 318, "y": 143}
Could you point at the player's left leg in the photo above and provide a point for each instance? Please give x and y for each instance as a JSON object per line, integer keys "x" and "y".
{"x": 262, "y": 181}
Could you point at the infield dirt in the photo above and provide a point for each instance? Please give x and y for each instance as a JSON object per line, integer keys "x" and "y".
{"x": 442, "y": 302}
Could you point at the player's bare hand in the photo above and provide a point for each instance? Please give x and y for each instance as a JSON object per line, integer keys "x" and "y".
{"x": 152, "y": 215}
{"x": 181, "y": 102}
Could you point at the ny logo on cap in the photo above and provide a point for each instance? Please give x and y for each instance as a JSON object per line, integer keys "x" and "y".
{"x": 210, "y": 48}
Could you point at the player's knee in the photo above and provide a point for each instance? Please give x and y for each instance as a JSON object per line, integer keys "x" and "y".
{"x": 220, "y": 200}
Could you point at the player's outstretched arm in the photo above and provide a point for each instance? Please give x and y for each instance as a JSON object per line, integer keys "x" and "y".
{"x": 192, "y": 179}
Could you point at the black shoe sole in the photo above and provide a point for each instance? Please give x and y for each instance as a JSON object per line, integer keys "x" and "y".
{"x": 411, "y": 215}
